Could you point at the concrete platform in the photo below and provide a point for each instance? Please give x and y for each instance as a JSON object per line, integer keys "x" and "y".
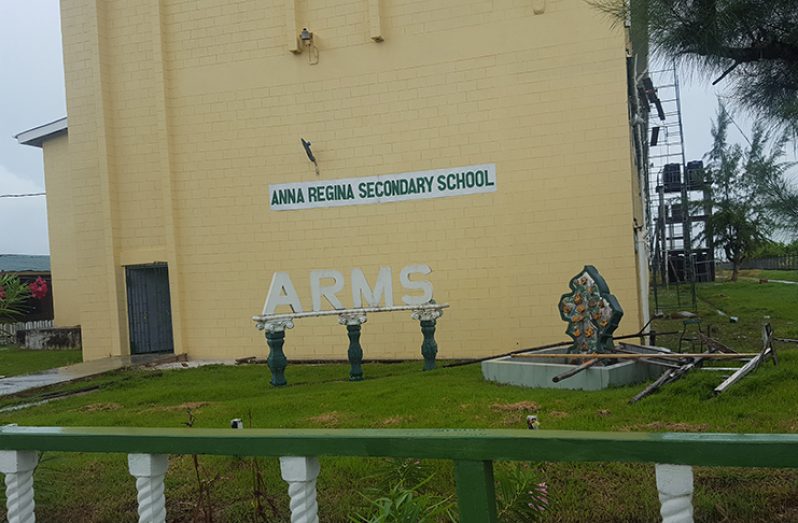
{"x": 16, "y": 384}
{"x": 527, "y": 372}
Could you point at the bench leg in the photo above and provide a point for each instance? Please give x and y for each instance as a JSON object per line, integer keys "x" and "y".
{"x": 355, "y": 353}
{"x": 429, "y": 347}
{"x": 276, "y": 360}
{"x": 354, "y": 322}
{"x": 675, "y": 486}
{"x": 18, "y": 467}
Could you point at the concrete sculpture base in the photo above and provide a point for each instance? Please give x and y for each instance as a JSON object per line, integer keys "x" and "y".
{"x": 529, "y": 372}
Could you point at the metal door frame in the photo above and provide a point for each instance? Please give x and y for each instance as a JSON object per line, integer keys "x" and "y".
{"x": 147, "y": 338}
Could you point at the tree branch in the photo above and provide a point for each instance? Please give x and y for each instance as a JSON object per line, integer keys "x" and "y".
{"x": 772, "y": 51}
{"x": 726, "y": 72}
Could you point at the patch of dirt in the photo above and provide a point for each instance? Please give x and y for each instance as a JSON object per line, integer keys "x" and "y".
{"x": 327, "y": 419}
{"x": 394, "y": 421}
{"x": 660, "y": 426}
{"x": 513, "y": 421}
{"x": 193, "y": 405}
{"x": 521, "y": 406}
{"x": 603, "y": 412}
{"x": 100, "y": 407}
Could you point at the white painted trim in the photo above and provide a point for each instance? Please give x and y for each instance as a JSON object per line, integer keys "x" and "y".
{"x": 643, "y": 275}
{"x": 38, "y": 135}
{"x": 365, "y": 310}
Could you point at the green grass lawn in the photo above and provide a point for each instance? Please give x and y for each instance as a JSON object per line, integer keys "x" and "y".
{"x": 769, "y": 274}
{"x": 15, "y": 361}
{"x": 95, "y": 488}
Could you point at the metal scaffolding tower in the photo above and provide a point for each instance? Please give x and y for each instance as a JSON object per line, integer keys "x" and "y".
{"x": 678, "y": 201}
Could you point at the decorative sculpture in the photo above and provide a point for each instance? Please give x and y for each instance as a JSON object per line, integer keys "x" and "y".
{"x": 592, "y": 313}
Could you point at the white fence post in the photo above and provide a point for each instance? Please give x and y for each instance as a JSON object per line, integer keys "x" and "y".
{"x": 149, "y": 471}
{"x": 675, "y": 486}
{"x": 300, "y": 473}
{"x": 18, "y": 467}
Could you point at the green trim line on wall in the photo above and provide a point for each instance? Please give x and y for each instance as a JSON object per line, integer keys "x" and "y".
{"x": 735, "y": 450}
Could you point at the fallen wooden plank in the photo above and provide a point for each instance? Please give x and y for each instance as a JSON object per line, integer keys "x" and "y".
{"x": 653, "y": 360}
{"x": 612, "y": 356}
{"x": 652, "y": 348}
{"x": 715, "y": 344}
{"x": 767, "y": 350}
{"x": 576, "y": 370}
{"x": 162, "y": 360}
{"x": 667, "y": 377}
{"x": 564, "y": 344}
{"x": 740, "y": 374}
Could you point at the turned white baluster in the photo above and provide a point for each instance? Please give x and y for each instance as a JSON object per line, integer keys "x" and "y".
{"x": 18, "y": 467}
{"x": 675, "y": 486}
{"x": 300, "y": 473}
{"x": 149, "y": 471}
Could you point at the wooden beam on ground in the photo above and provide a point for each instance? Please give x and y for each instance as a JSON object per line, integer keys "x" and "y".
{"x": 609, "y": 356}
{"x": 666, "y": 378}
{"x": 652, "y": 360}
{"x": 564, "y": 344}
{"x": 576, "y": 370}
{"x": 767, "y": 351}
{"x": 715, "y": 344}
{"x": 640, "y": 347}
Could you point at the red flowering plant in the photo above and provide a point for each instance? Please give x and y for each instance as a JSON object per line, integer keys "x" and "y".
{"x": 15, "y": 296}
{"x": 38, "y": 288}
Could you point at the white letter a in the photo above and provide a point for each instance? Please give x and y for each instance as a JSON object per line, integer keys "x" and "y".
{"x": 281, "y": 292}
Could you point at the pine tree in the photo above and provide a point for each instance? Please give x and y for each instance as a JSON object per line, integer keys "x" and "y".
{"x": 751, "y": 44}
{"x": 741, "y": 220}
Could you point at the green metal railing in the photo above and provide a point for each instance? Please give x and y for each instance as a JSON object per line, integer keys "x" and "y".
{"x": 473, "y": 451}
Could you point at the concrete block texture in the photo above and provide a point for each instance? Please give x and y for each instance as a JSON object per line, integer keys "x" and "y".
{"x": 182, "y": 114}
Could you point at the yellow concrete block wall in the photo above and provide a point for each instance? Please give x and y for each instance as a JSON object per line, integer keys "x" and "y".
{"x": 452, "y": 84}
{"x": 81, "y": 68}
{"x": 136, "y": 176}
{"x": 61, "y": 226}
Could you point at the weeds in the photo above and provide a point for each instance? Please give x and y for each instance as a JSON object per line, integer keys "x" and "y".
{"x": 204, "y": 503}
{"x": 520, "y": 495}
{"x": 260, "y": 495}
{"x": 407, "y": 505}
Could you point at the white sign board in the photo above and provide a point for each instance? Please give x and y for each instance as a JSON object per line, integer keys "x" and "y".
{"x": 439, "y": 183}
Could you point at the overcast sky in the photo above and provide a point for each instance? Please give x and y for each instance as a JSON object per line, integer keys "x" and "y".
{"x": 32, "y": 93}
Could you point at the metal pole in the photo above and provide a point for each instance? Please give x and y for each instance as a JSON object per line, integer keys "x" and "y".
{"x": 687, "y": 225}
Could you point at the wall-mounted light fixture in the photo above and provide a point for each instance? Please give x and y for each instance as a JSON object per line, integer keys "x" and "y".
{"x": 306, "y": 37}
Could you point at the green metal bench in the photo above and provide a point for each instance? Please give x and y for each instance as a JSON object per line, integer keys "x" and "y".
{"x": 473, "y": 452}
